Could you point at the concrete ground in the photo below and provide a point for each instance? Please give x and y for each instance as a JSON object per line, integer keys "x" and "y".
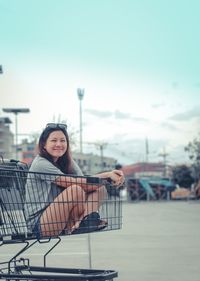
{"x": 159, "y": 241}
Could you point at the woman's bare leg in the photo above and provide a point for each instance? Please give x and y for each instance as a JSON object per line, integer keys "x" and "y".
{"x": 94, "y": 200}
{"x": 68, "y": 204}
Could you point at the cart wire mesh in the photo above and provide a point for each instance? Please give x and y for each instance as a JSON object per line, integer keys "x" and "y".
{"x": 25, "y": 198}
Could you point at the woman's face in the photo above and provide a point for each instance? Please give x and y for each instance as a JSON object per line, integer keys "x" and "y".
{"x": 56, "y": 144}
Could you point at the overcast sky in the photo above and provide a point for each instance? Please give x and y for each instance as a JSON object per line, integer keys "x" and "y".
{"x": 138, "y": 61}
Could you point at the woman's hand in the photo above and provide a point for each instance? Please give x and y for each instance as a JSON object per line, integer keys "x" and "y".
{"x": 117, "y": 177}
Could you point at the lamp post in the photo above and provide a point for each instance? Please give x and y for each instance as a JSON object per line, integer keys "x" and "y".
{"x": 80, "y": 93}
{"x": 16, "y": 111}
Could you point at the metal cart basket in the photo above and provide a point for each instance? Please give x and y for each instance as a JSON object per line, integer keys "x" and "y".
{"x": 23, "y": 193}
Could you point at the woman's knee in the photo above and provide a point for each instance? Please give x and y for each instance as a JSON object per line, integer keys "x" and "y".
{"x": 76, "y": 193}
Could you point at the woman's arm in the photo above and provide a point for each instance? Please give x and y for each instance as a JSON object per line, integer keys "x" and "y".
{"x": 65, "y": 181}
{"x": 116, "y": 176}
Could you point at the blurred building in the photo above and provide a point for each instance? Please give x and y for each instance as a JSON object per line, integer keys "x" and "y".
{"x": 147, "y": 170}
{"x": 92, "y": 164}
{"x": 7, "y": 148}
{"x": 27, "y": 151}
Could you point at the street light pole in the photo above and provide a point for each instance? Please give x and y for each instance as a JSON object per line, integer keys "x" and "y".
{"x": 16, "y": 111}
{"x": 80, "y": 93}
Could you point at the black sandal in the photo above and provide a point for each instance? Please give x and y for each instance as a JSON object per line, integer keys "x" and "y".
{"x": 90, "y": 223}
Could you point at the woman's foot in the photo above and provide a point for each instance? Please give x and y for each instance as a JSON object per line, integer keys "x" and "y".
{"x": 90, "y": 223}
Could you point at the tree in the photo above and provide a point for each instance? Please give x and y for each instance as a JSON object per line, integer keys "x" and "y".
{"x": 193, "y": 148}
{"x": 182, "y": 175}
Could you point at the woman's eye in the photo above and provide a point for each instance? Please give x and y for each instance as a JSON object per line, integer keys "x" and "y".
{"x": 62, "y": 141}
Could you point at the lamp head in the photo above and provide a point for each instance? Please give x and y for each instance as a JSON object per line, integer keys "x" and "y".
{"x": 16, "y": 110}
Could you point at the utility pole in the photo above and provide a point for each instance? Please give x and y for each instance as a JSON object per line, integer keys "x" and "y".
{"x": 147, "y": 150}
{"x": 164, "y": 154}
{"x": 102, "y": 146}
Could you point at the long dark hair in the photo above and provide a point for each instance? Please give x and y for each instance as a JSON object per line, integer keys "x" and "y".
{"x": 64, "y": 162}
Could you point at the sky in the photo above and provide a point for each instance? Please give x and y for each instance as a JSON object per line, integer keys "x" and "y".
{"x": 137, "y": 61}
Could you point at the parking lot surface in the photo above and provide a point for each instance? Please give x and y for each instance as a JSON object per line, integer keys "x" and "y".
{"x": 158, "y": 241}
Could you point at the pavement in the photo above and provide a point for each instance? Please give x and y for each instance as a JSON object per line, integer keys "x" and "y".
{"x": 159, "y": 241}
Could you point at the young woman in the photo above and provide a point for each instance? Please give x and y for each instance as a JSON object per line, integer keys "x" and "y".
{"x": 62, "y": 202}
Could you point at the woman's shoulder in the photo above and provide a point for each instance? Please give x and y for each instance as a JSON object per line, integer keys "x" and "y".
{"x": 38, "y": 159}
{"x": 41, "y": 164}
{"x": 76, "y": 169}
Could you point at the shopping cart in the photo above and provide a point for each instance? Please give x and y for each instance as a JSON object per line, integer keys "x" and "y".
{"x": 14, "y": 228}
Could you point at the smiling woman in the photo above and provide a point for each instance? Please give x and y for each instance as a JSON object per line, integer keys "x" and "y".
{"x": 64, "y": 201}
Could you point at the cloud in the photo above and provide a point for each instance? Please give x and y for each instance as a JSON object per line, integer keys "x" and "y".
{"x": 117, "y": 114}
{"x": 98, "y": 113}
{"x": 168, "y": 126}
{"x": 120, "y": 115}
{"x": 158, "y": 105}
{"x": 187, "y": 115}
